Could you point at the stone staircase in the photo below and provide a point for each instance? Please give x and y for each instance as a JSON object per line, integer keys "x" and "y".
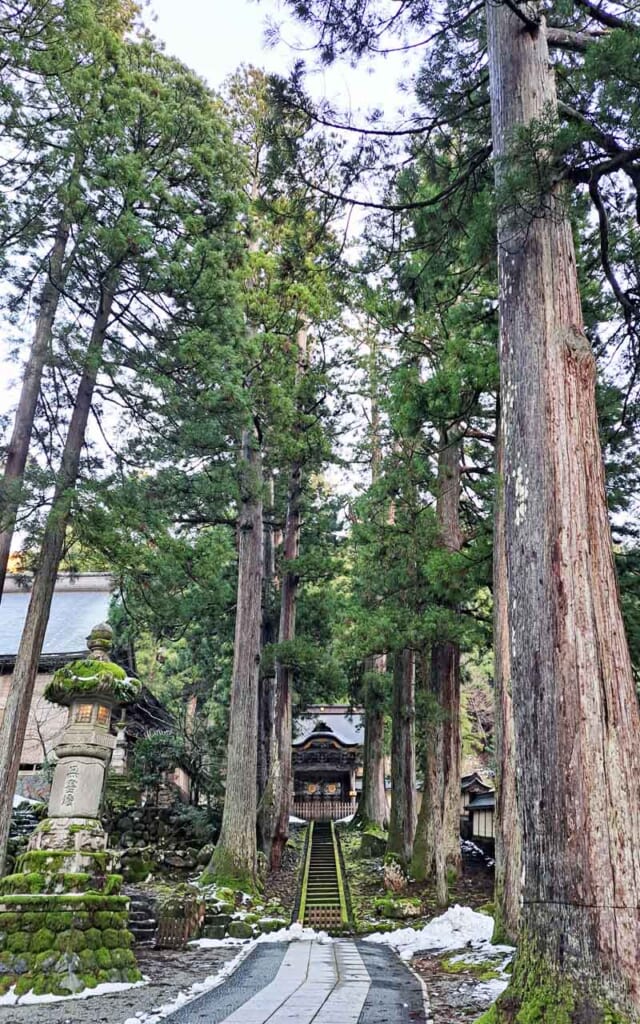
{"x": 143, "y": 923}
{"x": 323, "y": 902}
{"x": 23, "y": 822}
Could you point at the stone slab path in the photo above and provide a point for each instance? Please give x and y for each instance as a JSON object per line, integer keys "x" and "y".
{"x": 340, "y": 982}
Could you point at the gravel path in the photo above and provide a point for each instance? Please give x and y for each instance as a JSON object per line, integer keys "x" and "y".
{"x": 169, "y": 972}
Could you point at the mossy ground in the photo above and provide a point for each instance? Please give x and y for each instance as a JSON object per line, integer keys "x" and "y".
{"x": 223, "y": 871}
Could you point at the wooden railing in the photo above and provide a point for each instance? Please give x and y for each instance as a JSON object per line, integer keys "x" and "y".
{"x": 323, "y": 810}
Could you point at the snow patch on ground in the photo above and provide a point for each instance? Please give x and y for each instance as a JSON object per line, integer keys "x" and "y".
{"x": 296, "y": 821}
{"x": 488, "y": 991}
{"x": 28, "y": 999}
{"x": 197, "y": 989}
{"x": 455, "y": 929}
{"x": 295, "y": 933}
{"x": 345, "y": 821}
{"x": 214, "y": 943}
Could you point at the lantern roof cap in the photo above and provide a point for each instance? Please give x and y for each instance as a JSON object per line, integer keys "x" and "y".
{"x": 95, "y": 677}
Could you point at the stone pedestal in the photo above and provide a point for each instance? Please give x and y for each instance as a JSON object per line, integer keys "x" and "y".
{"x": 63, "y": 922}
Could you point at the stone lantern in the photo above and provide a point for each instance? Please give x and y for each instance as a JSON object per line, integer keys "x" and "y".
{"x": 91, "y": 689}
{"x": 63, "y": 924}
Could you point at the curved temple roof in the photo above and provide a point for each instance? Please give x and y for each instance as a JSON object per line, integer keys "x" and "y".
{"x": 345, "y": 724}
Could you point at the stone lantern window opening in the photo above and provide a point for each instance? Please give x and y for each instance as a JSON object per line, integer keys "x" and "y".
{"x": 90, "y": 712}
{"x": 103, "y": 716}
{"x": 82, "y": 713}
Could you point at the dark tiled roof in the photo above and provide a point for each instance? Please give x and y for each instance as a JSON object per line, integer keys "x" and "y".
{"x": 475, "y": 780}
{"x": 483, "y": 802}
{"x": 73, "y": 615}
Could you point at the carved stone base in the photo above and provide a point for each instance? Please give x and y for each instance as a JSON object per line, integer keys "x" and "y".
{"x": 69, "y": 834}
{"x": 75, "y": 844}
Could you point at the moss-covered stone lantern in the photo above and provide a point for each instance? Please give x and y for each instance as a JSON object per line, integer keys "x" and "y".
{"x": 63, "y": 924}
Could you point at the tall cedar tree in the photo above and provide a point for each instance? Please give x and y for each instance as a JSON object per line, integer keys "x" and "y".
{"x": 158, "y": 200}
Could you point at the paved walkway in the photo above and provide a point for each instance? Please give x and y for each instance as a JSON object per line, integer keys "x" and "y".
{"x": 312, "y": 983}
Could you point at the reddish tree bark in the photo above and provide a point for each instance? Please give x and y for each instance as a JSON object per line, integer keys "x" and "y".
{"x": 575, "y": 707}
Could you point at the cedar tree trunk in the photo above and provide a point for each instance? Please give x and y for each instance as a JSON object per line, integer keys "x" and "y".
{"x": 18, "y": 448}
{"x": 16, "y": 714}
{"x": 402, "y": 820}
{"x": 441, "y": 788}
{"x": 575, "y": 706}
{"x": 423, "y": 856}
{"x": 234, "y": 860}
{"x": 373, "y": 806}
{"x": 269, "y": 636}
{"x": 507, "y": 845}
{"x": 276, "y": 802}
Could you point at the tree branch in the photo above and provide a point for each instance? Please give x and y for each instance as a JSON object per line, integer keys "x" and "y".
{"x": 604, "y": 17}
{"x": 603, "y": 222}
{"x": 575, "y": 42}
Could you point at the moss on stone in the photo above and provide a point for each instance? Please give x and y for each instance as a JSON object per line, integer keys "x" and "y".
{"x": 89, "y": 676}
{"x": 70, "y": 941}
{"x": 6, "y": 982}
{"x": 103, "y": 959}
{"x": 110, "y": 938}
{"x": 93, "y": 938}
{"x": 23, "y": 985}
{"x": 112, "y": 885}
{"x": 123, "y": 958}
{"x": 42, "y": 941}
{"x": 240, "y": 930}
{"x": 271, "y": 924}
{"x": 88, "y": 958}
{"x": 31, "y": 921}
{"x": 19, "y": 942}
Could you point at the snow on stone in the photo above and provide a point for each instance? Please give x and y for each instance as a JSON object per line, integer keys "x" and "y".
{"x": 458, "y": 927}
{"x": 28, "y": 999}
{"x": 345, "y": 821}
{"x": 296, "y": 821}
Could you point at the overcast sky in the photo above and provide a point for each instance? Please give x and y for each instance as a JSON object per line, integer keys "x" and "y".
{"x": 215, "y": 36}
